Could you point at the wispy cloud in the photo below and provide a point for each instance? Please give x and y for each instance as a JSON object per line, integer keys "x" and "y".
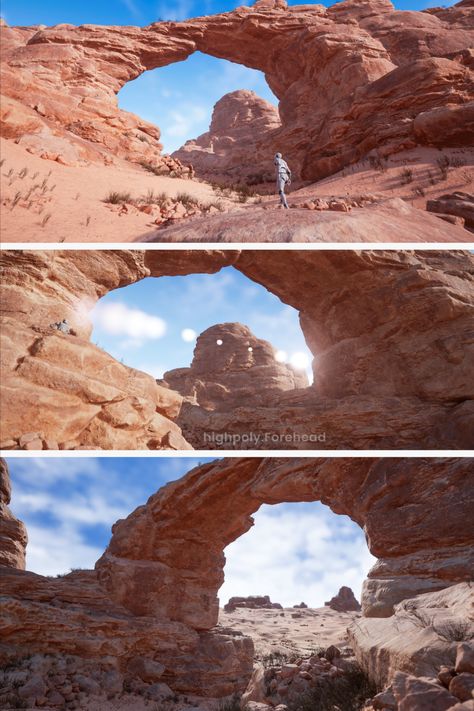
{"x": 183, "y": 121}
{"x": 133, "y": 9}
{"x": 176, "y": 11}
{"x": 119, "y": 319}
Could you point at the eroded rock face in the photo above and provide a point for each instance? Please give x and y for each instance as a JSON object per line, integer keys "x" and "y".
{"x": 389, "y": 332}
{"x": 230, "y": 368}
{"x": 13, "y": 536}
{"x": 344, "y": 601}
{"x": 153, "y": 593}
{"x": 236, "y": 146}
{"x": 418, "y": 639}
{"x": 349, "y": 78}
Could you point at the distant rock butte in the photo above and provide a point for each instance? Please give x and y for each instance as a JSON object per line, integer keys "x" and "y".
{"x": 151, "y": 601}
{"x": 230, "y": 368}
{"x": 344, "y": 601}
{"x": 350, "y": 78}
{"x": 236, "y": 146}
{"x": 252, "y": 602}
{"x": 389, "y": 331}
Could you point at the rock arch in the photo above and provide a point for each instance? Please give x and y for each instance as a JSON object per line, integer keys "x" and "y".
{"x": 331, "y": 68}
{"x": 389, "y": 331}
{"x": 154, "y": 591}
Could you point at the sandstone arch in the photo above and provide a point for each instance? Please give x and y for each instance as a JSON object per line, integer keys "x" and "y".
{"x": 389, "y": 331}
{"x": 340, "y": 75}
{"x": 153, "y": 592}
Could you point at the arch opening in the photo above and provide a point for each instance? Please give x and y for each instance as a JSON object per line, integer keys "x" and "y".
{"x": 297, "y": 552}
{"x": 179, "y": 98}
{"x": 153, "y": 324}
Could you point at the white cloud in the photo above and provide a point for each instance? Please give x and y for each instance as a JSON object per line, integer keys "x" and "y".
{"x": 56, "y": 551}
{"x": 49, "y": 470}
{"x": 296, "y": 555}
{"x": 178, "y": 10}
{"x": 118, "y": 319}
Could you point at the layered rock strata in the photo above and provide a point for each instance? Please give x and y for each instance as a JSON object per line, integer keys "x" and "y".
{"x": 390, "y": 333}
{"x": 350, "y": 78}
{"x": 153, "y": 593}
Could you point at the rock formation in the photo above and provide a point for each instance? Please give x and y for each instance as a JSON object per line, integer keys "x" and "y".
{"x": 344, "y": 601}
{"x": 13, "y": 537}
{"x": 420, "y": 637}
{"x": 252, "y": 602}
{"x": 236, "y": 146}
{"x": 349, "y": 78}
{"x": 152, "y": 598}
{"x": 389, "y": 332}
{"x": 232, "y": 368}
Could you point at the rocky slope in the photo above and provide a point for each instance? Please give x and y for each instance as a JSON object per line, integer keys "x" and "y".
{"x": 350, "y": 78}
{"x": 147, "y": 614}
{"x": 13, "y": 537}
{"x": 390, "y": 332}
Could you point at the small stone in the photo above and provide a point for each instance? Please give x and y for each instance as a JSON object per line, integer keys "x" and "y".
{"x": 112, "y": 682}
{"x": 332, "y": 652}
{"x": 462, "y": 686}
{"x": 159, "y": 692}
{"x": 288, "y": 671}
{"x": 464, "y": 658}
{"x": 54, "y": 698}
{"x": 147, "y": 669}
{"x": 85, "y": 683}
{"x": 445, "y": 675}
{"x": 28, "y": 437}
{"x": 384, "y": 700}
{"x": 35, "y": 688}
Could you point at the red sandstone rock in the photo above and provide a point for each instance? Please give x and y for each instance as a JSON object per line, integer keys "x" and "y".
{"x": 13, "y": 536}
{"x": 349, "y": 78}
{"x": 415, "y": 639}
{"x": 390, "y": 331}
{"x": 128, "y": 608}
{"x": 344, "y": 601}
{"x": 252, "y": 602}
{"x": 458, "y": 204}
{"x": 231, "y": 367}
{"x": 415, "y": 694}
{"x": 236, "y": 146}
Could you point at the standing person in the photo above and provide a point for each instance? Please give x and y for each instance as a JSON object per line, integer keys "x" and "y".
{"x": 283, "y": 178}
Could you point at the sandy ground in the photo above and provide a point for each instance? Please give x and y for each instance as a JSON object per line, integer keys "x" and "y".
{"x": 290, "y": 630}
{"x": 68, "y": 203}
{"x": 74, "y": 196}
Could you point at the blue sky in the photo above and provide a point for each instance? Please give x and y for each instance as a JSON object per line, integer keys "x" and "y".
{"x": 70, "y": 504}
{"x": 178, "y": 98}
{"x": 145, "y": 324}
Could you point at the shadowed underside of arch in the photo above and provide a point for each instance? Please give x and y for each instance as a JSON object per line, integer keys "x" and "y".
{"x": 389, "y": 332}
{"x": 350, "y": 78}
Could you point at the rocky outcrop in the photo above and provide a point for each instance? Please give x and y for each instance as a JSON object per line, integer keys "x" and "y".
{"x": 384, "y": 220}
{"x": 231, "y": 368}
{"x": 252, "y": 602}
{"x": 344, "y": 601}
{"x": 390, "y": 332}
{"x": 13, "y": 536}
{"x": 236, "y": 146}
{"x": 349, "y": 78}
{"x": 459, "y": 205}
{"x": 152, "y": 598}
{"x": 420, "y": 638}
